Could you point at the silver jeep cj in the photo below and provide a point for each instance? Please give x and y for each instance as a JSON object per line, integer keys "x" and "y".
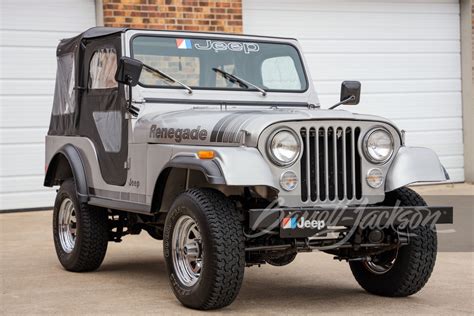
{"x": 217, "y": 145}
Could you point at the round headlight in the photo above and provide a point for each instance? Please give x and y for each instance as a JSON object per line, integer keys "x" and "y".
{"x": 284, "y": 147}
{"x": 378, "y": 145}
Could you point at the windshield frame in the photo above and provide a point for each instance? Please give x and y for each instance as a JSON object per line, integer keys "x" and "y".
{"x": 230, "y": 38}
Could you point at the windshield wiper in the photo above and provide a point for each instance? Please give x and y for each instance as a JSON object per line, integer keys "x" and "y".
{"x": 234, "y": 79}
{"x": 167, "y": 77}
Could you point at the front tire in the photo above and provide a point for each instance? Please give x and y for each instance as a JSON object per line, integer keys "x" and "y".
{"x": 403, "y": 271}
{"x": 80, "y": 231}
{"x": 204, "y": 249}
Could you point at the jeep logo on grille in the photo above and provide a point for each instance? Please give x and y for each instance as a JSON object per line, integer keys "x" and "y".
{"x": 293, "y": 223}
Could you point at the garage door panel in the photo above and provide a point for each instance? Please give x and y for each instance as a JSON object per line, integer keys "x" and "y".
{"x": 428, "y": 6}
{"x": 25, "y": 200}
{"x": 22, "y": 160}
{"x": 23, "y": 135}
{"x": 69, "y": 15}
{"x": 35, "y": 62}
{"x": 379, "y": 46}
{"x": 333, "y": 87}
{"x": 28, "y": 68}
{"x": 350, "y": 26}
{"x": 429, "y": 125}
{"x": 26, "y": 111}
{"x": 32, "y": 87}
{"x": 382, "y": 66}
{"x": 16, "y": 38}
{"x": 400, "y": 106}
{"x": 433, "y": 138}
{"x": 22, "y": 184}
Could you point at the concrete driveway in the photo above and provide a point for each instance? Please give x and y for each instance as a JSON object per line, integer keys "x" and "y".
{"x": 132, "y": 280}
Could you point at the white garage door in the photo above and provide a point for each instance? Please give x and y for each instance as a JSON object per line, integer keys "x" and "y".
{"x": 30, "y": 31}
{"x": 405, "y": 53}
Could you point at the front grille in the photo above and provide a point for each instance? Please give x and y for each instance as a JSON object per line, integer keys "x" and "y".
{"x": 330, "y": 164}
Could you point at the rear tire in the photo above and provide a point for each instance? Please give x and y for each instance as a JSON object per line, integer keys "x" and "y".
{"x": 80, "y": 231}
{"x": 204, "y": 249}
{"x": 407, "y": 270}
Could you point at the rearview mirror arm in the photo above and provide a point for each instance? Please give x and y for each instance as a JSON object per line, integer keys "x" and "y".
{"x": 351, "y": 98}
{"x": 130, "y": 108}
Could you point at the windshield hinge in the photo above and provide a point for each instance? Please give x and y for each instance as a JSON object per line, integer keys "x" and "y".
{"x": 140, "y": 101}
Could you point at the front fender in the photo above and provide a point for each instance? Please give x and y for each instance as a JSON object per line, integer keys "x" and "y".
{"x": 244, "y": 166}
{"x": 414, "y": 164}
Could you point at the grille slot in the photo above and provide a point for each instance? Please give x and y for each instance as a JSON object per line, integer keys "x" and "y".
{"x": 330, "y": 164}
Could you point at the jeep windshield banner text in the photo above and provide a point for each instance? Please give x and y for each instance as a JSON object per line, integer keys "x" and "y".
{"x": 196, "y": 62}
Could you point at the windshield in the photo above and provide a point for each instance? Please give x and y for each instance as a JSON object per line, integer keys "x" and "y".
{"x": 193, "y": 61}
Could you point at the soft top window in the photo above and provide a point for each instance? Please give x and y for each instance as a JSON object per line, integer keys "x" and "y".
{"x": 271, "y": 66}
{"x": 103, "y": 66}
{"x": 64, "y": 95}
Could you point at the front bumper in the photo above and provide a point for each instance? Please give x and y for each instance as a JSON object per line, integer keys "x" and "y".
{"x": 306, "y": 222}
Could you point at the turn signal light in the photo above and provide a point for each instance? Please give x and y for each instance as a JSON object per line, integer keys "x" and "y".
{"x": 206, "y": 154}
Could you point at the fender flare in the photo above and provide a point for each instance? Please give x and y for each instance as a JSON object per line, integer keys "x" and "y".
{"x": 210, "y": 168}
{"x": 73, "y": 157}
{"x": 414, "y": 164}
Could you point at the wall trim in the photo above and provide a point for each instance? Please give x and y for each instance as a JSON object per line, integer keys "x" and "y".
{"x": 99, "y": 13}
{"x": 467, "y": 88}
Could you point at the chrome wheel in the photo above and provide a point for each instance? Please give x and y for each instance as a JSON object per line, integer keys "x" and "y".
{"x": 382, "y": 263}
{"x": 67, "y": 225}
{"x": 187, "y": 251}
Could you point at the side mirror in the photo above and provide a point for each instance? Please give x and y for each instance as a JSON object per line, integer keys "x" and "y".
{"x": 128, "y": 71}
{"x": 350, "y": 92}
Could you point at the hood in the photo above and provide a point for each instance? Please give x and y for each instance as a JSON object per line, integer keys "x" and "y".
{"x": 219, "y": 127}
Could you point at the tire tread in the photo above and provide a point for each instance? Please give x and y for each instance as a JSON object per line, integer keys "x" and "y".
{"x": 93, "y": 230}
{"x": 228, "y": 246}
{"x": 419, "y": 256}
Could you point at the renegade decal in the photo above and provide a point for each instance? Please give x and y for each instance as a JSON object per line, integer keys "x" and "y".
{"x": 178, "y": 134}
{"x": 227, "y": 128}
{"x": 217, "y": 46}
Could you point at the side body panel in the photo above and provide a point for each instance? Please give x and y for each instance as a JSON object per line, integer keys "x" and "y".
{"x": 134, "y": 189}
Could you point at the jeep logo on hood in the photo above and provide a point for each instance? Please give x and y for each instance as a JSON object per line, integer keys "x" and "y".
{"x": 178, "y": 134}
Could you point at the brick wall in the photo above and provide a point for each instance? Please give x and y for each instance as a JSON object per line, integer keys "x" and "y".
{"x": 190, "y": 15}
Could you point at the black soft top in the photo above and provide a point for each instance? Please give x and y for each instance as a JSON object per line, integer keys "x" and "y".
{"x": 69, "y": 45}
